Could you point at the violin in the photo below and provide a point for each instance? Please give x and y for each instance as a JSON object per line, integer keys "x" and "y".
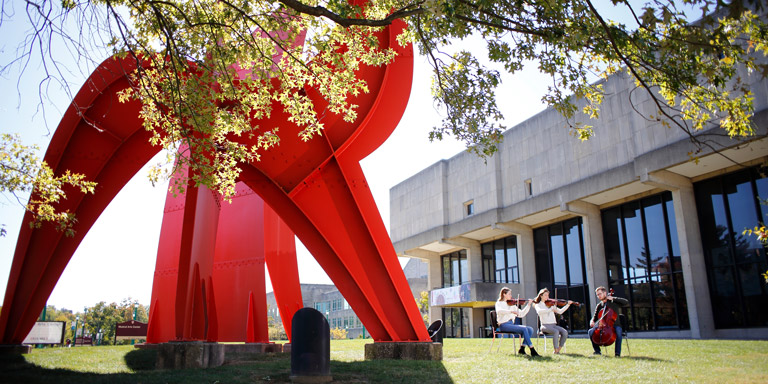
{"x": 519, "y": 302}
{"x": 604, "y": 334}
{"x": 560, "y": 303}
{"x": 549, "y": 302}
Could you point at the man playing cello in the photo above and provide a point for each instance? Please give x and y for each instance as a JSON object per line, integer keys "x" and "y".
{"x": 607, "y": 302}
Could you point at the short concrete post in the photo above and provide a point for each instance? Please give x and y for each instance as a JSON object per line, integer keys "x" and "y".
{"x": 310, "y": 347}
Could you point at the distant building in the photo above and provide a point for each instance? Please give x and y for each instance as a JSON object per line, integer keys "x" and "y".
{"x": 329, "y": 301}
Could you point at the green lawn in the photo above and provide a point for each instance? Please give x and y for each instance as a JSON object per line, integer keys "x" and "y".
{"x": 464, "y": 361}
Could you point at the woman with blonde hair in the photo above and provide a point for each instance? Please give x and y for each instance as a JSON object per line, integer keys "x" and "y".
{"x": 548, "y": 321}
{"x": 506, "y": 315}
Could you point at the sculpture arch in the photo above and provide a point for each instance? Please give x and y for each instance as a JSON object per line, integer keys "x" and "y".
{"x": 317, "y": 188}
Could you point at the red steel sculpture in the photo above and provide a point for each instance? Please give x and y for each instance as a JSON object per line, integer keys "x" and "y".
{"x": 209, "y": 269}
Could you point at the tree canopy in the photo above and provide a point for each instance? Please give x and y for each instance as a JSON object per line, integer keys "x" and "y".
{"x": 245, "y": 55}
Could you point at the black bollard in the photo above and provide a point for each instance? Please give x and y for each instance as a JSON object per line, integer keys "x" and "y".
{"x": 310, "y": 347}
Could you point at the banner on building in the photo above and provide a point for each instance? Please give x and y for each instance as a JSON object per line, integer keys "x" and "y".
{"x": 449, "y": 295}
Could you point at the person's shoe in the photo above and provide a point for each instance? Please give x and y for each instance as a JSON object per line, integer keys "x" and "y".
{"x": 521, "y": 351}
{"x": 618, "y": 355}
{"x": 533, "y": 352}
{"x": 597, "y": 353}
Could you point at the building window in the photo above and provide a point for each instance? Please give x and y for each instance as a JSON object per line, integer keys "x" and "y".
{"x": 643, "y": 260}
{"x": 455, "y": 269}
{"x": 456, "y": 322}
{"x": 560, "y": 267}
{"x": 469, "y": 207}
{"x": 726, "y": 206}
{"x": 500, "y": 261}
{"x": 528, "y": 188}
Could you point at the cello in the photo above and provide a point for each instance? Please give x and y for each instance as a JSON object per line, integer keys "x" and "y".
{"x": 604, "y": 334}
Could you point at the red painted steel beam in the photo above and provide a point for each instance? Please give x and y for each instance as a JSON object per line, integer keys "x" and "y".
{"x": 317, "y": 188}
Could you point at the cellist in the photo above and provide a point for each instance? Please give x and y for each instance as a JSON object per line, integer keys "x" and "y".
{"x": 606, "y": 300}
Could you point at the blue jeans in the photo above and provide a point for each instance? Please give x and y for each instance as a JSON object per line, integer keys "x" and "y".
{"x": 527, "y": 332}
{"x": 617, "y": 329}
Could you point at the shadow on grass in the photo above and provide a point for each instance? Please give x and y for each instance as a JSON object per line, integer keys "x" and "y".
{"x": 141, "y": 359}
{"x": 643, "y": 358}
{"x": 271, "y": 368}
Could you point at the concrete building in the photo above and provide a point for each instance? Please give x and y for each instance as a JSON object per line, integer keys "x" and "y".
{"x": 627, "y": 209}
{"x": 329, "y": 301}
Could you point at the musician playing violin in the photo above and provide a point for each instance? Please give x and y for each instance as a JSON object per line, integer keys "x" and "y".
{"x": 546, "y": 309}
{"x": 507, "y": 313}
{"x": 607, "y": 301}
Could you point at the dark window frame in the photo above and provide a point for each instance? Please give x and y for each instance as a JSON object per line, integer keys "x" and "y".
{"x": 450, "y": 258}
{"x": 653, "y": 279}
{"x": 740, "y": 315}
{"x": 545, "y": 268}
{"x": 491, "y": 270}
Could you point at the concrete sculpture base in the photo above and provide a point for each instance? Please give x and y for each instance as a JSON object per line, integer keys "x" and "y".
{"x": 14, "y": 349}
{"x": 198, "y": 354}
{"x": 404, "y": 351}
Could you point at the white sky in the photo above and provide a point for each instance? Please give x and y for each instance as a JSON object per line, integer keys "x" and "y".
{"x": 116, "y": 258}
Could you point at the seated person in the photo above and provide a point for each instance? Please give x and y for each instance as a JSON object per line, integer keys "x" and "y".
{"x": 506, "y": 315}
{"x": 548, "y": 321}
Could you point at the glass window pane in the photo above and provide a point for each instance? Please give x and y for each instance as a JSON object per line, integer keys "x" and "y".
{"x": 464, "y": 268}
{"x": 635, "y": 243}
{"x": 619, "y": 290}
{"x": 725, "y": 302}
{"x": 455, "y": 270}
{"x": 762, "y": 191}
{"x": 672, "y": 225}
{"x": 498, "y": 252}
{"x": 656, "y": 230}
{"x": 682, "y": 304}
{"x": 614, "y": 247}
{"x": 664, "y": 301}
{"x": 541, "y": 249}
{"x": 446, "y": 271}
{"x": 579, "y": 315}
{"x": 465, "y": 322}
{"x": 573, "y": 242}
{"x": 511, "y": 244}
{"x": 641, "y": 303}
{"x": 741, "y": 201}
{"x": 558, "y": 254}
{"x": 715, "y": 236}
{"x": 755, "y": 299}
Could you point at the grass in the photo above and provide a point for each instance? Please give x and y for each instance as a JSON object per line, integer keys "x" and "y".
{"x": 464, "y": 361}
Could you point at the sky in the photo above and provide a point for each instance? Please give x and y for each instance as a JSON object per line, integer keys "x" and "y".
{"x": 116, "y": 259}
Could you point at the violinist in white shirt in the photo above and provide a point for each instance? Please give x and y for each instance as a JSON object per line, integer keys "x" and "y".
{"x": 506, "y": 314}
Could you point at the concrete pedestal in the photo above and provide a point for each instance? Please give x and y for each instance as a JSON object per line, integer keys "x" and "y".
{"x": 198, "y": 354}
{"x": 404, "y": 351}
{"x": 15, "y": 349}
{"x": 248, "y": 351}
{"x": 189, "y": 354}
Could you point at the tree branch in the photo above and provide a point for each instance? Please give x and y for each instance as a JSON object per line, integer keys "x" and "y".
{"x": 409, "y": 10}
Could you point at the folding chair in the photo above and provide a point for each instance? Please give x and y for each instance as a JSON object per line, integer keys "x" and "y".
{"x": 624, "y": 333}
{"x": 540, "y": 334}
{"x": 495, "y": 330}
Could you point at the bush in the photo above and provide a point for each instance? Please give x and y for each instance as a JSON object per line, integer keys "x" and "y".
{"x": 338, "y": 334}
